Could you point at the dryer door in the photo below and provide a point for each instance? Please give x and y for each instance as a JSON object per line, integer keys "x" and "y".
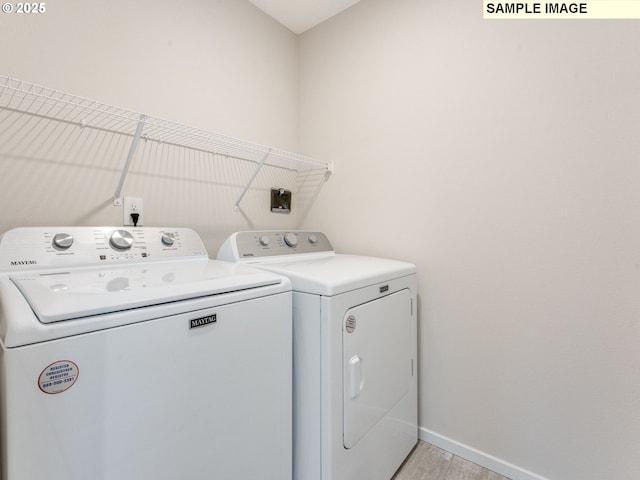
{"x": 377, "y": 367}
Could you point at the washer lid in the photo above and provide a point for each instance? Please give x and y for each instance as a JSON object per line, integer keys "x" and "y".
{"x": 334, "y": 274}
{"x": 68, "y": 295}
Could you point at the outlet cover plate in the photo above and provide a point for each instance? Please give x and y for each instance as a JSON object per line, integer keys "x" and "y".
{"x": 132, "y": 205}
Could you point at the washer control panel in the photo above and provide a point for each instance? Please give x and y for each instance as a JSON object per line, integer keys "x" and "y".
{"x": 247, "y": 245}
{"x": 42, "y": 247}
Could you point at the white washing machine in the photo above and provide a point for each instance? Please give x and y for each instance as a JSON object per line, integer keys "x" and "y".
{"x": 129, "y": 355}
{"x": 355, "y": 389}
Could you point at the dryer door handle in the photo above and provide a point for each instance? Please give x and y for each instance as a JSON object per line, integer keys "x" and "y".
{"x": 356, "y": 376}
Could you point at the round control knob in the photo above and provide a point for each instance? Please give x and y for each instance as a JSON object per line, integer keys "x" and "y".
{"x": 168, "y": 239}
{"x": 62, "y": 241}
{"x": 121, "y": 240}
{"x": 264, "y": 240}
{"x": 291, "y": 239}
{"x": 312, "y": 238}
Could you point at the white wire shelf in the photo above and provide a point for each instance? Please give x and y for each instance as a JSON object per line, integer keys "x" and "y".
{"x": 42, "y": 103}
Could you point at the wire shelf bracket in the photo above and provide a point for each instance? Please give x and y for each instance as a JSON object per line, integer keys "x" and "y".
{"x": 117, "y": 196}
{"x": 253, "y": 177}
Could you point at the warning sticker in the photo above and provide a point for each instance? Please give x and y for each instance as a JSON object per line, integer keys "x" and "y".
{"x": 58, "y": 377}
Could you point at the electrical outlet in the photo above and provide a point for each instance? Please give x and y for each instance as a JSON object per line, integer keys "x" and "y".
{"x": 129, "y": 206}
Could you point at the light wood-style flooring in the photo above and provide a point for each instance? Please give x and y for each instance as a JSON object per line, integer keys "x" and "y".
{"x": 428, "y": 462}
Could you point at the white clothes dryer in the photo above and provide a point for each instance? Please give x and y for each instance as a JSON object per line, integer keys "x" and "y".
{"x": 130, "y": 355}
{"x": 355, "y": 351}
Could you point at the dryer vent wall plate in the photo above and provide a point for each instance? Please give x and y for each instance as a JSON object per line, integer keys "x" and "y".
{"x": 280, "y": 200}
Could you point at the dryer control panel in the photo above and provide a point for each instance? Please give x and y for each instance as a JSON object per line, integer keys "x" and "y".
{"x": 260, "y": 244}
{"x": 33, "y": 248}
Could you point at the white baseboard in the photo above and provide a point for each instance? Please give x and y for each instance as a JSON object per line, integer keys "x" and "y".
{"x": 480, "y": 458}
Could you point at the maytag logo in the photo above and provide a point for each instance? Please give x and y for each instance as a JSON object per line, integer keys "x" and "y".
{"x": 18, "y": 263}
{"x": 203, "y": 321}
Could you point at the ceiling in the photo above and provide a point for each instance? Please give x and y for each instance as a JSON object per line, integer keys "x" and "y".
{"x": 301, "y": 15}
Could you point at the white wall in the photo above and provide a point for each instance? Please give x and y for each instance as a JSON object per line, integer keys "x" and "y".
{"x": 218, "y": 65}
{"x": 502, "y": 158}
